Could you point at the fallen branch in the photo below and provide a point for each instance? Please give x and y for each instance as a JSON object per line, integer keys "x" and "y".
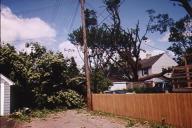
{"x": 164, "y": 71}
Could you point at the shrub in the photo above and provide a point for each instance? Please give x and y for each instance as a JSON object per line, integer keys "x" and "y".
{"x": 99, "y": 81}
{"x": 145, "y": 90}
{"x": 69, "y": 99}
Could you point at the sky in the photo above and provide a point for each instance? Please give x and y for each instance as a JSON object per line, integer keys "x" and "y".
{"x": 50, "y": 21}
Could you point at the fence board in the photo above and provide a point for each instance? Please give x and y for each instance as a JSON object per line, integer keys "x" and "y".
{"x": 175, "y": 108}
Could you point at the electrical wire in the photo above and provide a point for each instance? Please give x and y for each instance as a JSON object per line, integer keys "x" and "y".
{"x": 154, "y": 47}
{"x": 74, "y": 17}
{"x": 35, "y": 9}
{"x": 109, "y": 14}
{"x": 58, "y": 5}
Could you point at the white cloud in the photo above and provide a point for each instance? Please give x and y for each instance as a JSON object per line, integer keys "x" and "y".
{"x": 69, "y": 50}
{"x": 152, "y": 53}
{"x": 165, "y": 37}
{"x": 21, "y": 47}
{"x": 16, "y": 30}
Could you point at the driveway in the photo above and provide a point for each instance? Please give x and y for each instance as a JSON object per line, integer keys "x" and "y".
{"x": 76, "y": 119}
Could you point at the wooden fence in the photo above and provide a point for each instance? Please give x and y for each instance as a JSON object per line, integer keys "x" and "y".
{"x": 174, "y": 108}
{"x": 182, "y": 76}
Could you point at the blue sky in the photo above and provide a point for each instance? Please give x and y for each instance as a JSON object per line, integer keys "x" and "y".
{"x": 54, "y": 19}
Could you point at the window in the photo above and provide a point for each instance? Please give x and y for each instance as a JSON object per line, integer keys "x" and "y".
{"x": 145, "y": 71}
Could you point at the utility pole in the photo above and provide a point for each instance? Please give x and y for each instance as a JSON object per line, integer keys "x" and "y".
{"x": 87, "y": 72}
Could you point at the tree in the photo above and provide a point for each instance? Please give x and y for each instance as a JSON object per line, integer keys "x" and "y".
{"x": 185, "y": 4}
{"x": 180, "y": 31}
{"x": 111, "y": 44}
{"x": 99, "y": 81}
{"x": 39, "y": 74}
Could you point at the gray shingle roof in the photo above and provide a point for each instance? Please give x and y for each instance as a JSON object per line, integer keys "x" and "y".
{"x": 147, "y": 63}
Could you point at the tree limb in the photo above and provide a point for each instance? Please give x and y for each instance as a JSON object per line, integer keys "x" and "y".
{"x": 164, "y": 71}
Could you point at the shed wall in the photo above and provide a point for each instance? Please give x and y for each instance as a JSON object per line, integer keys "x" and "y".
{"x": 7, "y": 99}
{"x": 0, "y": 96}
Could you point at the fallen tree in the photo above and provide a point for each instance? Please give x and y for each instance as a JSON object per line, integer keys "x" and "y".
{"x": 164, "y": 71}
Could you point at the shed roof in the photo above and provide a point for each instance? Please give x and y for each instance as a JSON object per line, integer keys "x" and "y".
{"x": 147, "y": 63}
{"x": 2, "y": 77}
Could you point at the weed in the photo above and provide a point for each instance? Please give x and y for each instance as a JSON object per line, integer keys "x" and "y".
{"x": 156, "y": 125}
{"x": 37, "y": 113}
{"x": 130, "y": 123}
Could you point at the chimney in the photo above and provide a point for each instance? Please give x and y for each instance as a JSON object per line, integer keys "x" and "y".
{"x": 148, "y": 56}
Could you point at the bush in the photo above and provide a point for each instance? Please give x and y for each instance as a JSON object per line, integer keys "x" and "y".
{"x": 99, "y": 81}
{"x": 26, "y": 114}
{"x": 145, "y": 90}
{"x": 68, "y": 99}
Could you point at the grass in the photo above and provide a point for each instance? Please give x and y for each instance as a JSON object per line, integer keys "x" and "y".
{"x": 43, "y": 113}
{"x": 156, "y": 125}
{"x": 132, "y": 122}
{"x": 36, "y": 113}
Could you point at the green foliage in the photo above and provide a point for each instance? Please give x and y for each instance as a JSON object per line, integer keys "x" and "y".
{"x": 111, "y": 44}
{"x": 130, "y": 123}
{"x": 144, "y": 90}
{"x": 40, "y": 113}
{"x": 69, "y": 99}
{"x": 180, "y": 32}
{"x": 36, "y": 113}
{"x": 20, "y": 117}
{"x": 38, "y": 74}
{"x": 180, "y": 36}
{"x": 99, "y": 81}
{"x": 156, "y": 125}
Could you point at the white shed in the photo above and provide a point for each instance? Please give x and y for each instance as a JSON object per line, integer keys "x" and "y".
{"x": 5, "y": 94}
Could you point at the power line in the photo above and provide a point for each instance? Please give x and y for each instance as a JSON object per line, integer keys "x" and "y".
{"x": 32, "y": 9}
{"x": 154, "y": 47}
{"x": 99, "y": 14}
{"x": 35, "y": 9}
{"x": 59, "y": 4}
{"x": 74, "y": 16}
{"x": 29, "y": 39}
{"x": 109, "y": 14}
{"x": 104, "y": 18}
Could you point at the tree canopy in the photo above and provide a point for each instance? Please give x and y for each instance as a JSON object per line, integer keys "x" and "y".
{"x": 112, "y": 44}
{"x": 40, "y": 74}
{"x": 180, "y": 34}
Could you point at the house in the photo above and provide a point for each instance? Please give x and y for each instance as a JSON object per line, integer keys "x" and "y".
{"x": 118, "y": 86}
{"x": 154, "y": 65}
{"x": 5, "y": 95}
{"x": 119, "y": 83}
{"x": 148, "y": 66}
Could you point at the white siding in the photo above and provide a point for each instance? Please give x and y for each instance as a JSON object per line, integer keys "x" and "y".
{"x": 163, "y": 62}
{"x": 5, "y": 95}
{"x": 140, "y": 75}
{"x": 7, "y": 99}
{"x": 2, "y": 98}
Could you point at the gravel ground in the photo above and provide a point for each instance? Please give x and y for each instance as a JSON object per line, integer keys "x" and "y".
{"x": 72, "y": 119}
{"x": 75, "y": 119}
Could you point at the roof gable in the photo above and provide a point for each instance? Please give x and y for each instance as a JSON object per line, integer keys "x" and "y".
{"x": 147, "y": 63}
{"x": 6, "y": 79}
